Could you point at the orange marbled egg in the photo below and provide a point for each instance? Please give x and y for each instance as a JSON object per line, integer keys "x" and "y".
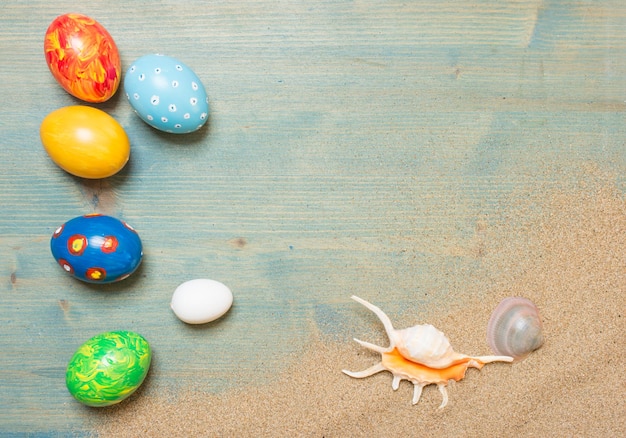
{"x": 83, "y": 57}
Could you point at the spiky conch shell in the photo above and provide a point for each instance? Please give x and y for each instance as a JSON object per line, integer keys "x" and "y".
{"x": 411, "y": 353}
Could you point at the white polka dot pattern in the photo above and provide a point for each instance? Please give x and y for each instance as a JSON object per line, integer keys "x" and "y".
{"x": 166, "y": 94}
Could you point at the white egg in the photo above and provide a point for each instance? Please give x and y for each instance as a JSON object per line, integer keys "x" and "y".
{"x": 200, "y": 301}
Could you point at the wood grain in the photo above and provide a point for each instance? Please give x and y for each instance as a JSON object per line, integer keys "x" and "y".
{"x": 352, "y": 146}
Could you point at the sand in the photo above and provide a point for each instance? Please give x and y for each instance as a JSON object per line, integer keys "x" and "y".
{"x": 562, "y": 246}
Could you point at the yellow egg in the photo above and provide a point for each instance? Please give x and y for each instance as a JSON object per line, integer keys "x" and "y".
{"x": 85, "y": 141}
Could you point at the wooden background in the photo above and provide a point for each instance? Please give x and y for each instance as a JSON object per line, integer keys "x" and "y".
{"x": 352, "y": 147}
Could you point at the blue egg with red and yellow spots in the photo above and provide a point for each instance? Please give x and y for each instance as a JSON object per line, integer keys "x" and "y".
{"x": 96, "y": 248}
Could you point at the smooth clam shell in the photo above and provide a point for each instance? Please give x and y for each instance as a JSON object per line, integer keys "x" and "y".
{"x": 515, "y": 328}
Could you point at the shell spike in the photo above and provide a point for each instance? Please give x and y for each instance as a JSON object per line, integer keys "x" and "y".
{"x": 382, "y": 316}
{"x": 417, "y": 393}
{"x": 365, "y": 373}
{"x": 395, "y": 383}
{"x": 444, "y": 394}
{"x": 374, "y": 347}
{"x": 488, "y": 359}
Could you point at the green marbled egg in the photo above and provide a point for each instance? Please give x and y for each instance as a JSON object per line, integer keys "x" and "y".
{"x": 108, "y": 368}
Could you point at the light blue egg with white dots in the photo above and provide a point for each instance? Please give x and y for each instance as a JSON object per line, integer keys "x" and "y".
{"x": 166, "y": 94}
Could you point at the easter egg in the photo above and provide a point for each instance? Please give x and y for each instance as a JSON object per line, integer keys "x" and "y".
{"x": 83, "y": 57}
{"x": 200, "y": 301}
{"x": 108, "y": 368}
{"x": 96, "y": 248}
{"x": 166, "y": 94}
{"x": 85, "y": 141}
